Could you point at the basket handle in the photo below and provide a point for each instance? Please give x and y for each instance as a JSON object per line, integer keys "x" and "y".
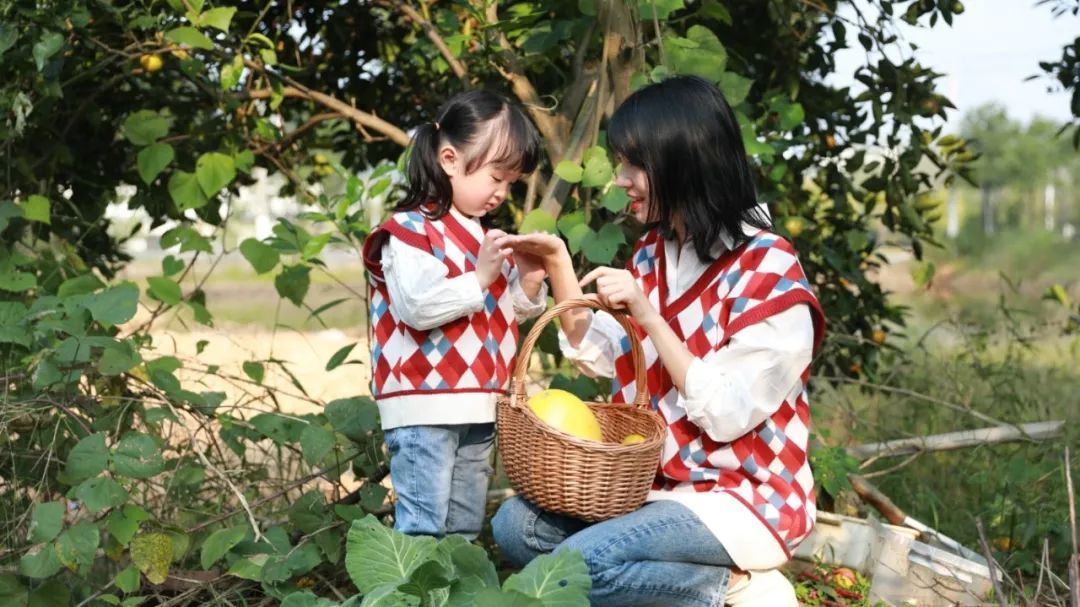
{"x": 517, "y": 380}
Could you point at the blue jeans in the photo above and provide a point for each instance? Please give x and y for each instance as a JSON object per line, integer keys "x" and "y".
{"x": 440, "y": 476}
{"x": 660, "y": 555}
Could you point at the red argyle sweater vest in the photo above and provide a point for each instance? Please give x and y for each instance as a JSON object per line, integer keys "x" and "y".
{"x": 471, "y": 354}
{"x": 766, "y": 469}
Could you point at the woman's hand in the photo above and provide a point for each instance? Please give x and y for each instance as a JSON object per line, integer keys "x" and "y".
{"x": 541, "y": 245}
{"x": 618, "y": 290}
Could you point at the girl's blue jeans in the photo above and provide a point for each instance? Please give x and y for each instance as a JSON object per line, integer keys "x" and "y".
{"x": 658, "y": 555}
{"x": 440, "y": 476}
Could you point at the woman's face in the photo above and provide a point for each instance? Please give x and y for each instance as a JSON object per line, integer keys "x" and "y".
{"x": 635, "y": 181}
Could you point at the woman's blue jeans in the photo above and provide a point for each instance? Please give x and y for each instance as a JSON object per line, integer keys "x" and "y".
{"x": 440, "y": 476}
{"x": 660, "y": 555}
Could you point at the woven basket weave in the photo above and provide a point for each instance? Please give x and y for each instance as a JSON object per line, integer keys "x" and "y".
{"x": 585, "y": 479}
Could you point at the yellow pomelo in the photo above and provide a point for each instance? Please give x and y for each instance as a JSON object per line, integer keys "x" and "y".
{"x": 564, "y": 411}
{"x": 633, "y": 439}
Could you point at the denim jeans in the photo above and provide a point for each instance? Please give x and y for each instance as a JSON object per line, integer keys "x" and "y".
{"x": 660, "y": 555}
{"x": 440, "y": 476}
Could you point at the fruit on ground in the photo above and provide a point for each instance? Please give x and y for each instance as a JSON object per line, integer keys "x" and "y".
{"x": 633, "y": 439}
{"x": 566, "y": 412}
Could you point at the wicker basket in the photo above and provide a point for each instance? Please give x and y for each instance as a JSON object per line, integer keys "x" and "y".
{"x": 585, "y": 479}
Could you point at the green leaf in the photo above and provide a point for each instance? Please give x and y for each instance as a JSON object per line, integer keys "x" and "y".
{"x": 254, "y": 370}
{"x": 354, "y": 417}
{"x": 306, "y": 599}
{"x": 145, "y": 127}
{"x": 152, "y": 553}
{"x": 220, "y": 542}
{"x": 128, "y": 580}
{"x": 316, "y": 442}
{"x": 49, "y": 44}
{"x": 16, "y": 281}
{"x": 88, "y": 458}
{"x": 249, "y": 568}
{"x": 8, "y": 35}
{"x": 186, "y": 236}
{"x": 261, "y": 256}
{"x": 12, "y": 330}
{"x": 124, "y": 523}
{"x": 12, "y": 592}
{"x": 79, "y": 285}
{"x": 923, "y": 274}
{"x": 165, "y": 290}
{"x": 615, "y": 200}
{"x": 189, "y": 36}
{"x": 373, "y": 497}
{"x": 339, "y": 357}
{"x": 153, "y": 159}
{"x": 538, "y": 220}
{"x": 41, "y": 563}
{"x": 569, "y": 171}
{"x": 597, "y": 170}
{"x": 244, "y": 160}
{"x": 171, "y": 265}
{"x": 292, "y": 283}
{"x": 425, "y": 579}
{"x": 114, "y": 305}
{"x": 663, "y": 8}
{"x": 53, "y": 593}
{"x": 118, "y": 357}
{"x": 700, "y": 53}
{"x": 214, "y": 171}
{"x": 378, "y": 555}
{"x": 278, "y": 428}
{"x": 36, "y": 208}
{"x": 101, "y": 493}
{"x": 560, "y": 579}
{"x": 603, "y": 247}
{"x": 493, "y": 597}
{"x": 469, "y": 560}
{"x": 736, "y": 88}
{"x": 218, "y": 18}
{"x": 138, "y": 455}
{"x": 46, "y": 521}
{"x": 77, "y": 545}
{"x": 186, "y": 193}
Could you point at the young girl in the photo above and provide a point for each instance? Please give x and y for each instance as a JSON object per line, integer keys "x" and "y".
{"x": 445, "y": 303}
{"x": 729, "y": 326}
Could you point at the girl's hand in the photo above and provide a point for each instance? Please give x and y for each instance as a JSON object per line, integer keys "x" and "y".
{"x": 489, "y": 263}
{"x": 618, "y": 290}
{"x": 543, "y": 246}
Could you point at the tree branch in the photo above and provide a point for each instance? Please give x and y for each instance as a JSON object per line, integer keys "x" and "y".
{"x": 456, "y": 65}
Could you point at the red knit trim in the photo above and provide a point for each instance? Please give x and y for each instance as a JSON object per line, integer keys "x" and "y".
{"x": 444, "y": 391}
{"x": 775, "y": 306}
{"x": 776, "y": 536}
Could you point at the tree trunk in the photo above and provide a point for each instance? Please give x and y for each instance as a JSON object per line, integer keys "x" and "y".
{"x": 987, "y": 210}
{"x": 952, "y": 226}
{"x": 1048, "y": 206}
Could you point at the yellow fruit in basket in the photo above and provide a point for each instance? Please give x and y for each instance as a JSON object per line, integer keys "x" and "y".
{"x": 564, "y": 411}
{"x": 633, "y": 439}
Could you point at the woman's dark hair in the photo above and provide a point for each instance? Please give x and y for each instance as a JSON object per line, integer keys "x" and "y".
{"x": 486, "y": 128}
{"x": 682, "y": 132}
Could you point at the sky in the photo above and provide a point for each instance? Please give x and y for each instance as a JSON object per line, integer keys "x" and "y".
{"x": 986, "y": 55}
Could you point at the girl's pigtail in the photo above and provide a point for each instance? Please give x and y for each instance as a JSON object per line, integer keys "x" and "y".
{"x": 427, "y": 182}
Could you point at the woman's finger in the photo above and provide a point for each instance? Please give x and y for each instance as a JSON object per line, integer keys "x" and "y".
{"x": 591, "y": 276}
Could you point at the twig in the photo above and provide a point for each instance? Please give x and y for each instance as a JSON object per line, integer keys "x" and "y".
{"x": 1074, "y": 560}
{"x": 456, "y": 65}
{"x": 918, "y": 395}
{"x": 990, "y": 563}
{"x": 958, "y": 440}
{"x": 892, "y": 469}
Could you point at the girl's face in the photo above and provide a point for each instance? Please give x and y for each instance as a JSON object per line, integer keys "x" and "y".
{"x": 480, "y": 192}
{"x": 636, "y": 183}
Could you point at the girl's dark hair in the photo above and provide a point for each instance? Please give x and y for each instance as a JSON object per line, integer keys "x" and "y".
{"x": 486, "y": 128}
{"x": 682, "y": 132}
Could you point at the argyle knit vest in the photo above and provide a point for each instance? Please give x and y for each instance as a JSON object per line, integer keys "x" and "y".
{"x": 473, "y": 353}
{"x": 766, "y": 469}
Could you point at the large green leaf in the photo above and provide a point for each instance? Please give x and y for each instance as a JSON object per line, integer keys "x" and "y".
{"x": 615, "y": 199}
{"x": 47, "y": 46}
{"x": 118, "y": 357}
{"x": 87, "y": 458}
{"x": 138, "y": 455}
{"x": 493, "y": 597}
{"x": 658, "y": 9}
{"x": 114, "y": 305}
{"x": 128, "y": 580}
{"x": 46, "y": 521}
{"x": 153, "y": 159}
{"x": 101, "y": 493}
{"x": 12, "y": 317}
{"x": 306, "y": 599}
{"x": 736, "y": 87}
{"x": 145, "y": 127}
{"x": 700, "y": 53}
{"x": 426, "y": 579}
{"x": 77, "y": 546}
{"x": 185, "y": 192}
{"x": 214, "y": 171}
{"x": 40, "y": 563}
{"x": 569, "y": 171}
{"x": 165, "y": 290}
{"x": 316, "y": 442}
{"x": 249, "y": 568}
{"x": 189, "y": 36}
{"x": 354, "y": 417}
{"x": 601, "y": 249}
{"x": 261, "y": 256}
{"x": 558, "y": 580}
{"x": 218, "y": 18}
{"x": 278, "y": 428}
{"x": 124, "y": 523}
{"x": 53, "y": 593}
{"x": 597, "y": 170}
{"x": 152, "y": 553}
{"x": 220, "y": 542}
{"x": 12, "y": 592}
{"x": 292, "y": 283}
{"x": 378, "y": 555}
{"x": 538, "y": 220}
{"x": 36, "y": 208}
